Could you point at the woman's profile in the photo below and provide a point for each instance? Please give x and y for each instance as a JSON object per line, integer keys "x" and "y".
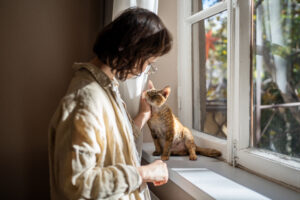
{"x": 92, "y": 154}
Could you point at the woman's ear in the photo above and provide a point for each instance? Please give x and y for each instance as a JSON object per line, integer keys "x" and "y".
{"x": 166, "y": 91}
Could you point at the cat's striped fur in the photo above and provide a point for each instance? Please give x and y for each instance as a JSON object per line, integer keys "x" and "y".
{"x": 169, "y": 135}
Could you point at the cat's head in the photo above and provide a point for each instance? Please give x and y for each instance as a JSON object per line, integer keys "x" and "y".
{"x": 157, "y": 98}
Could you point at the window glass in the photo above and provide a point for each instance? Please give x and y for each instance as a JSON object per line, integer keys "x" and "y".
{"x": 209, "y": 60}
{"x": 276, "y": 76}
{"x": 198, "y": 5}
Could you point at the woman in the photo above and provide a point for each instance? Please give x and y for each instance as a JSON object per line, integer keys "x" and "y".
{"x": 92, "y": 154}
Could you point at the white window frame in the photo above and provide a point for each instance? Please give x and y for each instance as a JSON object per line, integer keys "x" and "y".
{"x": 236, "y": 149}
{"x": 185, "y": 105}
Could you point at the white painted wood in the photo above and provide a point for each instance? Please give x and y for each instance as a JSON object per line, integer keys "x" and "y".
{"x": 185, "y": 104}
{"x": 203, "y": 14}
{"x": 255, "y": 183}
{"x": 209, "y": 141}
{"x": 199, "y": 74}
{"x": 230, "y": 80}
{"x": 242, "y": 73}
{"x": 184, "y": 64}
{"x": 271, "y": 165}
{"x": 188, "y": 186}
{"x": 267, "y": 164}
{"x": 239, "y": 66}
{"x": 217, "y": 186}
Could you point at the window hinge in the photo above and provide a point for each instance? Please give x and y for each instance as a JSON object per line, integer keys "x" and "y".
{"x": 234, "y": 153}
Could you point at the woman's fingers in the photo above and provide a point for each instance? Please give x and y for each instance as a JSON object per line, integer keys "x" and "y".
{"x": 144, "y": 95}
{"x": 163, "y": 171}
{"x": 159, "y": 183}
{"x": 156, "y": 172}
{"x": 150, "y": 85}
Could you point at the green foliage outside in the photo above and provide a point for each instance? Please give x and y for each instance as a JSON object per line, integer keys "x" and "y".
{"x": 279, "y": 126}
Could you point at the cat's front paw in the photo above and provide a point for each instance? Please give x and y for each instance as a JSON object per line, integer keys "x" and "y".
{"x": 165, "y": 158}
{"x": 193, "y": 157}
{"x": 156, "y": 153}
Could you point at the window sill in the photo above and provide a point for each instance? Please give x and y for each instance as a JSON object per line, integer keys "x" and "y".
{"x": 209, "y": 178}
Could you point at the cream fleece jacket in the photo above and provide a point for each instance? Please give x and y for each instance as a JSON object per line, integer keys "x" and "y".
{"x": 92, "y": 154}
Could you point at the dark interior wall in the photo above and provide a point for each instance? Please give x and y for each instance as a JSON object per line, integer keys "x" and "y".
{"x": 39, "y": 41}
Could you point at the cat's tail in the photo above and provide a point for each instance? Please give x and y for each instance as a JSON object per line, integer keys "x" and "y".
{"x": 208, "y": 152}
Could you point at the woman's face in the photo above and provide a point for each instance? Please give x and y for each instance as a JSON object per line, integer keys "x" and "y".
{"x": 148, "y": 62}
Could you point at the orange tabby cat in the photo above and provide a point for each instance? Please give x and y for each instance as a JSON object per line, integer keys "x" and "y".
{"x": 168, "y": 132}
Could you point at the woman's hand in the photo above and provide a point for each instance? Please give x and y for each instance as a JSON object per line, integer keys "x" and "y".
{"x": 145, "y": 109}
{"x": 156, "y": 172}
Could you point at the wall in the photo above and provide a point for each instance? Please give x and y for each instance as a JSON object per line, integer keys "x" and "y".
{"x": 167, "y": 64}
{"x": 39, "y": 42}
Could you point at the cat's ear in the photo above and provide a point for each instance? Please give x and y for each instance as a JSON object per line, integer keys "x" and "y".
{"x": 166, "y": 91}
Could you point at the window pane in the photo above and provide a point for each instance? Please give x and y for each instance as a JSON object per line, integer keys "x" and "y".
{"x": 276, "y": 76}
{"x": 209, "y": 57}
{"x": 198, "y": 5}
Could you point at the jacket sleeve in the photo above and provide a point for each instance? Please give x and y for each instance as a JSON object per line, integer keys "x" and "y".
{"x": 136, "y": 131}
{"x": 86, "y": 178}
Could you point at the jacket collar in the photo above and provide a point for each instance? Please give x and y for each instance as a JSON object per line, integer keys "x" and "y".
{"x": 98, "y": 74}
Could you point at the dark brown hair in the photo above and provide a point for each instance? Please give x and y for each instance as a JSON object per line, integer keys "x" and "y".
{"x": 130, "y": 40}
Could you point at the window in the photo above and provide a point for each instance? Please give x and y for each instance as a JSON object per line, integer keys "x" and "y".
{"x": 239, "y": 77}
{"x": 199, "y": 5}
{"x": 209, "y": 65}
{"x": 276, "y": 76}
{"x": 202, "y": 83}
